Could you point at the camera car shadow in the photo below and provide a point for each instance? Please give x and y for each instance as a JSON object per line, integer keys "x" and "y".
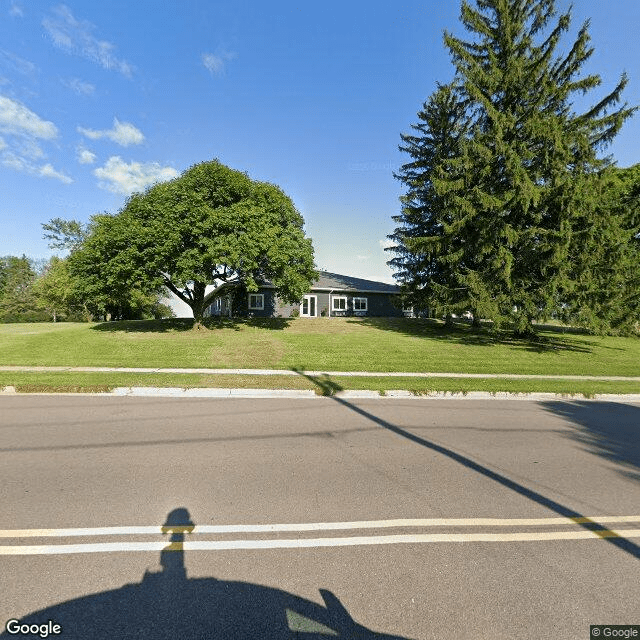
{"x": 169, "y": 605}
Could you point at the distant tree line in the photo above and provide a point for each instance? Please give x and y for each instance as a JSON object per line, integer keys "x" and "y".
{"x": 44, "y": 292}
{"x": 511, "y": 211}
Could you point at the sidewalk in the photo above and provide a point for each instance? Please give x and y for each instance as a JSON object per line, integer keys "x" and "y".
{"x": 289, "y": 372}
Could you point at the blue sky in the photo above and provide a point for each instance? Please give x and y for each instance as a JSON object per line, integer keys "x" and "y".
{"x": 98, "y": 99}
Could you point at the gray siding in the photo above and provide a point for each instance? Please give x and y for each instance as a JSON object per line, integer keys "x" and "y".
{"x": 378, "y": 305}
{"x": 382, "y": 303}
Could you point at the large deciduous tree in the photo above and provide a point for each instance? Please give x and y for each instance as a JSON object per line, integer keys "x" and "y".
{"x": 210, "y": 225}
{"x": 18, "y": 302}
{"x": 54, "y": 289}
{"x": 527, "y": 161}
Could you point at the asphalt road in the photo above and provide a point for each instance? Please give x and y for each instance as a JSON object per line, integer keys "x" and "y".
{"x": 153, "y": 518}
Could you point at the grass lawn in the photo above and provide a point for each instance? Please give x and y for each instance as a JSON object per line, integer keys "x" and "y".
{"x": 322, "y": 385}
{"x": 336, "y": 344}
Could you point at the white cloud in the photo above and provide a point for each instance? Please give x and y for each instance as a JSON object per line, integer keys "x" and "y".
{"x": 85, "y": 156}
{"x": 28, "y": 148}
{"x": 25, "y": 129}
{"x": 80, "y": 87}
{"x": 13, "y": 62}
{"x": 12, "y": 161}
{"x": 362, "y": 257}
{"x": 119, "y": 177}
{"x": 47, "y": 171}
{"x": 387, "y": 244}
{"x": 18, "y": 163}
{"x": 122, "y": 133}
{"x": 76, "y": 37}
{"x": 216, "y": 64}
{"x": 16, "y": 10}
{"x": 17, "y": 119}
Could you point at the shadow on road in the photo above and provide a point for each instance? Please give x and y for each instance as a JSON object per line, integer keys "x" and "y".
{"x": 622, "y": 543}
{"x": 169, "y": 605}
{"x": 607, "y": 429}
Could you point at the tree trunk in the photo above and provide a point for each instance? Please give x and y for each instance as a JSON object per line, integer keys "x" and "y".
{"x": 197, "y": 304}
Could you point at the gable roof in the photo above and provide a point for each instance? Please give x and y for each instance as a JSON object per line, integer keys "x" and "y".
{"x": 337, "y": 281}
{"x": 326, "y": 282}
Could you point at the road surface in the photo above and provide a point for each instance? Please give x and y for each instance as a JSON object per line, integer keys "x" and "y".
{"x": 165, "y": 518}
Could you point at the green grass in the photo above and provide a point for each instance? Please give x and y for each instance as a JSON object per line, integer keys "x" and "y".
{"x": 323, "y": 385}
{"x": 339, "y": 344}
{"x": 336, "y": 344}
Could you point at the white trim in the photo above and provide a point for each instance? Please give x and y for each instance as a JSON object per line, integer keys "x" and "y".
{"x": 352, "y": 291}
{"x": 260, "y": 306}
{"x": 360, "y": 299}
{"x": 333, "y": 300}
{"x": 315, "y": 306}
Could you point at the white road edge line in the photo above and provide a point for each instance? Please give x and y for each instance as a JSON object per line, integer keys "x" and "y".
{"x": 318, "y": 526}
{"x": 223, "y": 545}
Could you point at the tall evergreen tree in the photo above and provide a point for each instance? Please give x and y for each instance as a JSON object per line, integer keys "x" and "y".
{"x": 422, "y": 262}
{"x": 528, "y": 159}
{"x": 604, "y": 290}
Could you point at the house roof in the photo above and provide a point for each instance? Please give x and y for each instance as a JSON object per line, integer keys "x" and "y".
{"x": 326, "y": 282}
{"x": 336, "y": 281}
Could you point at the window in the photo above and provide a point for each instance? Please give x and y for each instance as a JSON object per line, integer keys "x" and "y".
{"x": 339, "y": 303}
{"x": 360, "y": 304}
{"x": 256, "y": 301}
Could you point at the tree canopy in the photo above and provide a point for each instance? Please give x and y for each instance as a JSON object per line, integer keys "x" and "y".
{"x": 210, "y": 225}
{"x": 505, "y": 176}
{"x": 18, "y": 301}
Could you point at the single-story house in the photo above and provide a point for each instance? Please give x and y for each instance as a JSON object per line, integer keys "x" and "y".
{"x": 331, "y": 294}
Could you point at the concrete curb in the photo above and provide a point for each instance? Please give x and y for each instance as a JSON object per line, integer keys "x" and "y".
{"x": 214, "y": 392}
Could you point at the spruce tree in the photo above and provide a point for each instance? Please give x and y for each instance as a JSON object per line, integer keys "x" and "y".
{"x": 527, "y": 158}
{"x": 422, "y": 261}
{"x": 604, "y": 289}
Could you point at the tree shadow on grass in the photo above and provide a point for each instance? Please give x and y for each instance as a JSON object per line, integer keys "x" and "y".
{"x": 463, "y": 333}
{"x": 165, "y": 325}
{"x": 610, "y": 430}
{"x": 325, "y": 384}
{"x": 169, "y": 325}
{"x": 169, "y": 605}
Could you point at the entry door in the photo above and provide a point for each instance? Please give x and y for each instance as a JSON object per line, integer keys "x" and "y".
{"x": 308, "y": 306}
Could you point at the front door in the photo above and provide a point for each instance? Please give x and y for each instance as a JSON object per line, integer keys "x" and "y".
{"x": 308, "y": 307}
